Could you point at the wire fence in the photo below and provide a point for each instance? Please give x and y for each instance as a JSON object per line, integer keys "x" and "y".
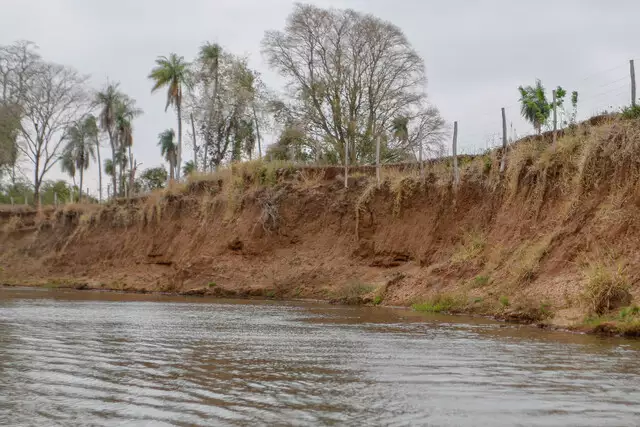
{"x": 601, "y": 92}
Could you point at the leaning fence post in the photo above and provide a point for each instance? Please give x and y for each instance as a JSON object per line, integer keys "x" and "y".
{"x": 555, "y": 119}
{"x": 456, "y": 173}
{"x": 632, "y": 71}
{"x": 346, "y": 164}
{"x": 504, "y": 142}
{"x": 378, "y": 159}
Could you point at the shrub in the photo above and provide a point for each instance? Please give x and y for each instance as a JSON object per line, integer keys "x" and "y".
{"x": 439, "y": 304}
{"x": 471, "y": 248}
{"x": 631, "y": 112}
{"x": 605, "y": 288}
{"x": 504, "y": 301}
{"x": 480, "y": 281}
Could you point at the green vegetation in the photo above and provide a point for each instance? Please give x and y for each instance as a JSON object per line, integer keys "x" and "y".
{"x": 631, "y": 112}
{"x": 212, "y": 284}
{"x": 606, "y": 286}
{"x": 504, "y": 301}
{"x": 439, "y": 304}
{"x": 536, "y": 109}
{"x": 481, "y": 281}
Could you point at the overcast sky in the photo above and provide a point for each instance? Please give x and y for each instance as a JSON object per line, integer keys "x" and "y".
{"x": 476, "y": 52}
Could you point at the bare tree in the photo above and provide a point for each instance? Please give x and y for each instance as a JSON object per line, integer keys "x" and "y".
{"x": 17, "y": 68}
{"x": 54, "y": 99}
{"x": 349, "y": 74}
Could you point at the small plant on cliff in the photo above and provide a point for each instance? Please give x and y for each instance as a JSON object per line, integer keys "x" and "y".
{"x": 504, "y": 301}
{"x": 470, "y": 248}
{"x": 480, "y": 281}
{"x": 605, "y": 287}
{"x": 440, "y": 303}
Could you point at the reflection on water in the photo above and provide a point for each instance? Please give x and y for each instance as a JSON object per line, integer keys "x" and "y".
{"x": 78, "y": 358}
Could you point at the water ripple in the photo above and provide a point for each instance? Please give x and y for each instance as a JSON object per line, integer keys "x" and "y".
{"x": 84, "y": 359}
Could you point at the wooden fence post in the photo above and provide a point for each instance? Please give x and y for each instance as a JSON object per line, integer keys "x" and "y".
{"x": 421, "y": 163}
{"x": 378, "y": 159}
{"x": 456, "y": 173}
{"x": 503, "y": 160}
{"x": 632, "y": 70}
{"x": 346, "y": 164}
{"x": 555, "y": 119}
{"x": 55, "y": 199}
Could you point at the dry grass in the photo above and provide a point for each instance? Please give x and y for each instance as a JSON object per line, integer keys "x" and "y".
{"x": 527, "y": 259}
{"x": 471, "y": 247}
{"x": 269, "y": 200}
{"x": 606, "y": 286}
{"x": 14, "y": 223}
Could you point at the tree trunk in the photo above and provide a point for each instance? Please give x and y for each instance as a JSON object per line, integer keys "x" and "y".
{"x": 131, "y": 171}
{"x": 179, "y": 161}
{"x": 36, "y": 185}
{"x": 81, "y": 180}
{"x": 255, "y": 119}
{"x": 99, "y": 171}
{"x": 114, "y": 182}
{"x": 195, "y": 146}
{"x": 171, "y": 170}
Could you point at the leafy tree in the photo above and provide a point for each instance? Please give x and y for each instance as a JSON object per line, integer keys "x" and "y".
{"x": 9, "y": 130}
{"x": 169, "y": 150}
{"x": 153, "y": 178}
{"x": 221, "y": 111}
{"x": 172, "y": 73}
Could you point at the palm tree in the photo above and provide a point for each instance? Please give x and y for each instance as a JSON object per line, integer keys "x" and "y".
{"x": 188, "y": 168}
{"x": 169, "y": 150}
{"x": 107, "y": 101}
{"x": 68, "y": 165}
{"x": 90, "y": 126}
{"x": 172, "y": 72}
{"x": 80, "y": 149}
{"x": 125, "y": 112}
{"x": 400, "y": 128}
{"x": 110, "y": 170}
{"x": 534, "y": 106}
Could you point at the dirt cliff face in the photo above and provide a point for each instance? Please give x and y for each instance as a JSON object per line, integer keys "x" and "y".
{"x": 555, "y": 237}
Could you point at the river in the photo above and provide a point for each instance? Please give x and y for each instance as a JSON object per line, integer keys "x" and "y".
{"x": 74, "y": 358}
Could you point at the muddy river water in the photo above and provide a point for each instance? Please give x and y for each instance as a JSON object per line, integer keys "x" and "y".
{"x": 74, "y": 358}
